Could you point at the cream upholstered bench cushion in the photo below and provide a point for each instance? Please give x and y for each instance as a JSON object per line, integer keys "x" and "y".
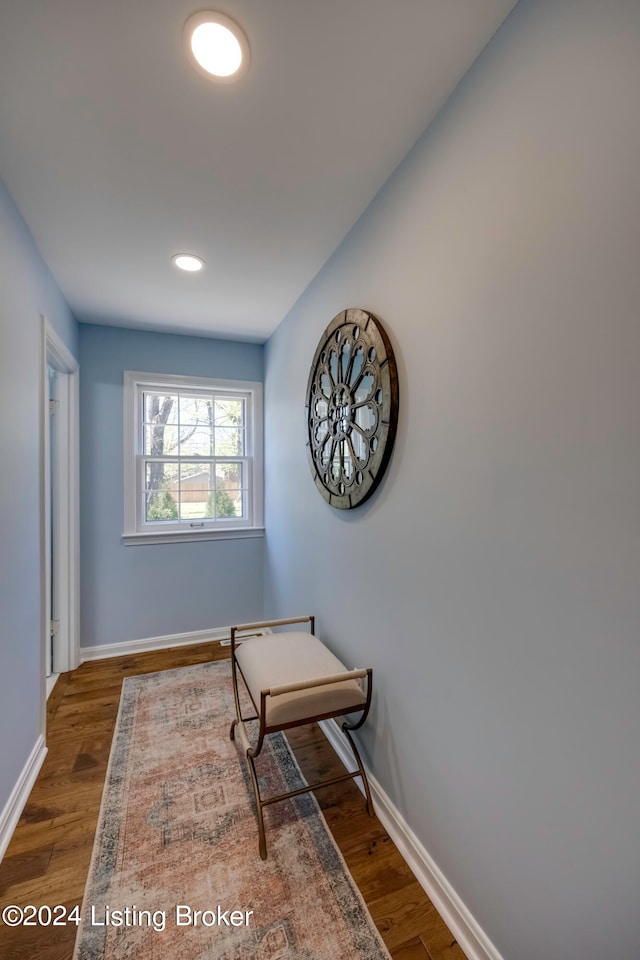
{"x": 278, "y": 659}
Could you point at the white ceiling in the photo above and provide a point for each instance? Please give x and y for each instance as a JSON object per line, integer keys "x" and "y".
{"x": 119, "y": 154}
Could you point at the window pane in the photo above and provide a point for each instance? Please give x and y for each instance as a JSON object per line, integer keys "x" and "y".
{"x": 229, "y": 413}
{"x": 224, "y": 504}
{"x": 195, "y": 441}
{"x": 160, "y": 408}
{"x": 160, "y": 440}
{"x": 195, "y": 410}
{"x": 228, "y": 504}
{"x": 195, "y": 491}
{"x": 228, "y": 499}
{"x": 229, "y": 475}
{"x": 229, "y": 441}
{"x": 161, "y": 491}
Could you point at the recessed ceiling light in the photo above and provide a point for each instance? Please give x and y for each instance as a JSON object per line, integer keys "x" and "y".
{"x": 217, "y": 45}
{"x": 186, "y": 261}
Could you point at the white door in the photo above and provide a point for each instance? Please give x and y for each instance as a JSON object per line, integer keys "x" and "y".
{"x": 60, "y": 513}
{"x": 51, "y": 480}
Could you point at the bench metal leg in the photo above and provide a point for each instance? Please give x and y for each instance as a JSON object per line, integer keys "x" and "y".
{"x": 253, "y": 753}
{"x": 346, "y": 728}
{"x": 262, "y": 842}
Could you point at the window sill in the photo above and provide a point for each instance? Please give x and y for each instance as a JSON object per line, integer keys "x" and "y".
{"x": 185, "y": 536}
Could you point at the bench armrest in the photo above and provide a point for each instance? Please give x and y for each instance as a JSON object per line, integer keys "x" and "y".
{"x": 272, "y": 623}
{"x": 318, "y": 682}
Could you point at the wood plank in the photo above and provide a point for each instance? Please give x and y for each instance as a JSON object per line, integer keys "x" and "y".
{"x": 440, "y": 944}
{"x": 414, "y": 950}
{"x": 47, "y": 861}
{"x": 25, "y": 866}
{"x": 403, "y": 915}
{"x": 377, "y": 867}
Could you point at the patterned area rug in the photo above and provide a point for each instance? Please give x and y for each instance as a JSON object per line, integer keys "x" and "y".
{"x": 176, "y": 871}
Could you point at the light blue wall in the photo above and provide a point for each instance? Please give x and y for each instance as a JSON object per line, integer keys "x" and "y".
{"x": 141, "y": 591}
{"x": 27, "y": 290}
{"x": 493, "y": 581}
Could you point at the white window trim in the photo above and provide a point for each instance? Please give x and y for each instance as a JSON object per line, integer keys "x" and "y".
{"x": 133, "y": 381}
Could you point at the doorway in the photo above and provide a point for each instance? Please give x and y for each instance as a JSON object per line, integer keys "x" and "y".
{"x": 51, "y": 676}
{"x": 60, "y": 513}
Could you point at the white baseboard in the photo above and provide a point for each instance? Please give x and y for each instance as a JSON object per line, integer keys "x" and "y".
{"x": 212, "y": 635}
{"x": 472, "y": 939}
{"x": 20, "y": 794}
{"x": 153, "y": 643}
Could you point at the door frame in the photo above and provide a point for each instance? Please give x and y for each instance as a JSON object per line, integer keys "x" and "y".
{"x": 62, "y": 509}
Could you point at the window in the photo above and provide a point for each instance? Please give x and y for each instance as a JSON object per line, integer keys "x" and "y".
{"x": 193, "y": 458}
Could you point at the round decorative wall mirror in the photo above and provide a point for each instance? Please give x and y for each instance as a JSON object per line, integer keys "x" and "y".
{"x": 352, "y": 408}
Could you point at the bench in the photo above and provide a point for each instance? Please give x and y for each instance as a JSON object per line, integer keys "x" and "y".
{"x": 292, "y": 679}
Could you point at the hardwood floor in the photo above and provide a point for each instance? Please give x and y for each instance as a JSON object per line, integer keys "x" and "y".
{"x": 48, "y": 858}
